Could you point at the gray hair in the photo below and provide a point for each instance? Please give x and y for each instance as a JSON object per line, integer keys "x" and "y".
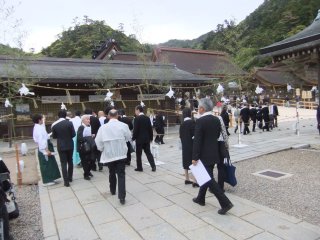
{"x": 85, "y": 116}
{"x": 206, "y": 103}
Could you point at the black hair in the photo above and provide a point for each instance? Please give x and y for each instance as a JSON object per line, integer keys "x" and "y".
{"x": 186, "y": 112}
{"x": 140, "y": 108}
{"x": 62, "y": 113}
{"x": 107, "y": 110}
{"x": 36, "y": 118}
{"x": 88, "y": 111}
{"x": 77, "y": 113}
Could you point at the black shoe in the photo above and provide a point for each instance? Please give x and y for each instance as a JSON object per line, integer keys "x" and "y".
{"x": 162, "y": 143}
{"x": 122, "y": 201}
{"x": 224, "y": 210}
{"x": 113, "y": 193}
{"x": 87, "y": 178}
{"x": 153, "y": 169}
{"x": 66, "y": 184}
{"x": 138, "y": 170}
{"x": 90, "y": 174}
{"x": 195, "y": 184}
{"x": 128, "y": 163}
{"x": 100, "y": 168}
{"x": 195, "y": 200}
{"x": 187, "y": 182}
{"x": 70, "y": 179}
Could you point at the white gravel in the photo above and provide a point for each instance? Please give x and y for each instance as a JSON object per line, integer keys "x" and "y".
{"x": 297, "y": 196}
{"x": 28, "y": 225}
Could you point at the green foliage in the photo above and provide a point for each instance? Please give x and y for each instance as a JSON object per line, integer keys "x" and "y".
{"x": 79, "y": 41}
{"x": 7, "y": 50}
{"x": 273, "y": 21}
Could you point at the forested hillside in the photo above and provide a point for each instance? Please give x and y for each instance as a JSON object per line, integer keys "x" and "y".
{"x": 273, "y": 21}
{"x": 79, "y": 41}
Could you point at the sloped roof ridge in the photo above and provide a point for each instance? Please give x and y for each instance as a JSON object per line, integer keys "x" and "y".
{"x": 190, "y": 50}
{"x": 80, "y": 60}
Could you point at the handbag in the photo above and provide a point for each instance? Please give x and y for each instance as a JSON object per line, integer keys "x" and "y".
{"x": 230, "y": 170}
{"x": 85, "y": 147}
{"x": 131, "y": 149}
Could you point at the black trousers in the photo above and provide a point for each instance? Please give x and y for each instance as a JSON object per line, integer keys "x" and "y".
{"x": 117, "y": 168}
{"x": 66, "y": 164}
{"x": 227, "y": 131}
{"x": 254, "y": 123}
{"x": 97, "y": 155}
{"x": 221, "y": 174}
{"x": 146, "y": 148}
{"x": 246, "y": 127}
{"x": 86, "y": 162}
{"x": 217, "y": 191}
{"x": 128, "y": 160}
{"x": 160, "y": 135}
{"x": 266, "y": 124}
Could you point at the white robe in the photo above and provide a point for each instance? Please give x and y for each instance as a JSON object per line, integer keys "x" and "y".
{"x": 40, "y": 136}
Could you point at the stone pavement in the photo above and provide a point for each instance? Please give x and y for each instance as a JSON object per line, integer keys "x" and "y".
{"x": 159, "y": 205}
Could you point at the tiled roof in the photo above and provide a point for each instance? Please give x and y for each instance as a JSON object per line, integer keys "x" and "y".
{"x": 131, "y": 56}
{"x": 200, "y": 62}
{"x": 84, "y": 70}
{"x": 306, "y": 39}
{"x": 276, "y": 77}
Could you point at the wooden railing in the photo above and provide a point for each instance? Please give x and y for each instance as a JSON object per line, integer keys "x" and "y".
{"x": 302, "y": 104}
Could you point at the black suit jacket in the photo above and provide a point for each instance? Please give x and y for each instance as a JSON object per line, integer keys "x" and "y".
{"x": 205, "y": 143}
{"x": 95, "y": 125}
{"x": 253, "y": 114}
{"x": 265, "y": 114}
{"x": 127, "y": 121}
{"x": 245, "y": 114}
{"x": 142, "y": 130}
{"x": 275, "y": 110}
{"x": 186, "y": 133}
{"x": 64, "y": 132}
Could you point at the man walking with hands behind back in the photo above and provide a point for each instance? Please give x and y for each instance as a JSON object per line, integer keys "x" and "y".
{"x": 143, "y": 135}
{"x": 112, "y": 140}
{"x": 63, "y": 131}
{"x": 205, "y": 148}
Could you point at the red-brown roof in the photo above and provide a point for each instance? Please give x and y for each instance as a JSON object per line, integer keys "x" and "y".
{"x": 202, "y": 62}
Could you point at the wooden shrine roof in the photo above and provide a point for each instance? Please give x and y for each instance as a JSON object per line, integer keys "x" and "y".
{"x": 201, "y": 62}
{"x": 64, "y": 70}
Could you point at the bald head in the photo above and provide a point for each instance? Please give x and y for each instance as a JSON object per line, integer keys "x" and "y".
{"x": 113, "y": 114}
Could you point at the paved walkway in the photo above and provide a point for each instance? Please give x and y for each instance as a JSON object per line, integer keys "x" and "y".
{"x": 159, "y": 205}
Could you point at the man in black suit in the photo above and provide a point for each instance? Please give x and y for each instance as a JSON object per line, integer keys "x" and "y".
{"x": 265, "y": 116}
{"x": 253, "y": 116}
{"x": 159, "y": 127}
{"x": 205, "y": 148}
{"x": 95, "y": 125}
{"x": 123, "y": 118}
{"x": 63, "y": 131}
{"x": 143, "y": 135}
{"x": 275, "y": 114}
{"x": 245, "y": 116}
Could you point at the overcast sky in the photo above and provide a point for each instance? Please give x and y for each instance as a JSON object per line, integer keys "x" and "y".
{"x": 152, "y": 21}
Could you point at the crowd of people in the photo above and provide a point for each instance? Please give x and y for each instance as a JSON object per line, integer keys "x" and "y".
{"x": 263, "y": 116}
{"x": 92, "y": 141}
{"x": 107, "y": 138}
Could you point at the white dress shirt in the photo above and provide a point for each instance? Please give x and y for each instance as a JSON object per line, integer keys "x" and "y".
{"x": 76, "y": 121}
{"x": 112, "y": 140}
